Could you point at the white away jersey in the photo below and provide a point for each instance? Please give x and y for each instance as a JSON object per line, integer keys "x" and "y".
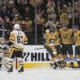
{"x": 18, "y": 37}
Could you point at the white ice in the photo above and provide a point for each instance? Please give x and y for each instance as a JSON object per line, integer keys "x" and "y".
{"x": 41, "y": 74}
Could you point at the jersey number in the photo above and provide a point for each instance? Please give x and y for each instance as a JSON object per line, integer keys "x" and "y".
{"x": 20, "y": 39}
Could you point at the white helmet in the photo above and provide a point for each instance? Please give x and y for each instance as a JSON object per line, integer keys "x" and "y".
{"x": 47, "y": 30}
{"x": 17, "y": 27}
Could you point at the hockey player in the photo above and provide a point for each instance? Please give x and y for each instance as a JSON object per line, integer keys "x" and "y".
{"x": 66, "y": 41}
{"x": 16, "y": 41}
{"x": 52, "y": 42}
{"x": 3, "y": 49}
{"x": 76, "y": 62}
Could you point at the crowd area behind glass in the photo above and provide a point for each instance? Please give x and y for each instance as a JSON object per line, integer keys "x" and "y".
{"x": 35, "y": 16}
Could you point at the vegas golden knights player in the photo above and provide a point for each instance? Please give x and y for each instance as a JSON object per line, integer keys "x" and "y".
{"x": 16, "y": 41}
{"x": 52, "y": 44}
{"x": 66, "y": 41}
{"x": 76, "y": 62}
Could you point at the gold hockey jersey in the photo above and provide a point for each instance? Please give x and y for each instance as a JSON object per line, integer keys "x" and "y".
{"x": 66, "y": 36}
{"x": 77, "y": 38}
{"x": 52, "y": 37}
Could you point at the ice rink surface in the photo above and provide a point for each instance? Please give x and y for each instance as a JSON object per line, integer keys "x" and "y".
{"x": 41, "y": 74}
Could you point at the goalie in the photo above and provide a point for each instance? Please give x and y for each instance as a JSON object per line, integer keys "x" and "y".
{"x": 16, "y": 41}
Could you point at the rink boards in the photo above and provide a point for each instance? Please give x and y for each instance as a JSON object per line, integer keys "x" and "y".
{"x": 36, "y": 56}
{"x": 36, "y": 65}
